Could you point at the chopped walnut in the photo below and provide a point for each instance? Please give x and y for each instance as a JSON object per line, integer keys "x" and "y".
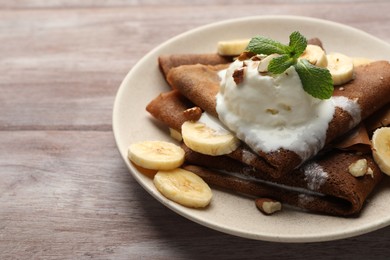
{"x": 256, "y": 58}
{"x": 193, "y": 113}
{"x": 268, "y": 206}
{"x": 246, "y": 55}
{"x": 285, "y": 107}
{"x": 238, "y": 75}
{"x": 263, "y": 65}
{"x": 359, "y": 168}
{"x": 272, "y": 111}
{"x": 370, "y": 172}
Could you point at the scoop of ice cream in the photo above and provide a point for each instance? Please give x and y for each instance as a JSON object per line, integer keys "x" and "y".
{"x": 269, "y": 112}
{"x": 269, "y": 101}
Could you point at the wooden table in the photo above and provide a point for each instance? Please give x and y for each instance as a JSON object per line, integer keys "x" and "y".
{"x": 64, "y": 190}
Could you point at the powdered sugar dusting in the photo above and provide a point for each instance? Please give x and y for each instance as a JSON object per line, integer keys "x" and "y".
{"x": 314, "y": 175}
{"x": 248, "y": 157}
{"x": 304, "y": 199}
{"x": 349, "y": 105}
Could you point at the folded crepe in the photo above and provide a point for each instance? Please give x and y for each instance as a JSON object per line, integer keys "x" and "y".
{"x": 322, "y": 185}
{"x": 381, "y": 118}
{"x": 167, "y": 62}
{"x": 169, "y": 108}
{"x": 370, "y": 88}
{"x": 357, "y": 140}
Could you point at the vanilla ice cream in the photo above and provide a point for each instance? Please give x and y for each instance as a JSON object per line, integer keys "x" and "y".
{"x": 272, "y": 112}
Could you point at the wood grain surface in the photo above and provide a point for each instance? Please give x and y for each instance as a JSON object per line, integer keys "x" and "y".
{"x": 64, "y": 191}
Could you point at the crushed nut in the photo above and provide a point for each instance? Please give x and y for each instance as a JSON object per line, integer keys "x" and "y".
{"x": 246, "y": 55}
{"x": 272, "y": 111}
{"x": 193, "y": 113}
{"x": 359, "y": 168}
{"x": 268, "y": 206}
{"x": 256, "y": 58}
{"x": 238, "y": 75}
{"x": 315, "y": 41}
{"x": 263, "y": 65}
{"x": 285, "y": 107}
{"x": 370, "y": 172}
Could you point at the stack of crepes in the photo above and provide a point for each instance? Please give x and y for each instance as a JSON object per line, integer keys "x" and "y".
{"x": 323, "y": 183}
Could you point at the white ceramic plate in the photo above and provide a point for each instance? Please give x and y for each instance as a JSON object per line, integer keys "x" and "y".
{"x": 228, "y": 212}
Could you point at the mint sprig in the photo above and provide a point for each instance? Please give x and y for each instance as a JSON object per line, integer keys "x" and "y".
{"x": 316, "y": 81}
{"x": 267, "y": 46}
{"x": 279, "y": 64}
{"x": 297, "y": 44}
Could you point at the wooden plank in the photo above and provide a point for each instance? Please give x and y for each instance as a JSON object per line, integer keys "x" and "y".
{"x": 61, "y": 69}
{"x": 68, "y": 195}
{"x": 22, "y": 4}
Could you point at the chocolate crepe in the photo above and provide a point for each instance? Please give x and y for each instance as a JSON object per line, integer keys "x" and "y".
{"x": 370, "y": 88}
{"x": 166, "y": 62}
{"x": 169, "y": 108}
{"x": 322, "y": 185}
{"x": 381, "y": 118}
{"x": 331, "y": 190}
{"x": 169, "y": 61}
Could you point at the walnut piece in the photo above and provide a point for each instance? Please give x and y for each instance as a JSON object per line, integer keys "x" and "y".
{"x": 268, "y": 206}
{"x": 193, "y": 113}
{"x": 238, "y": 75}
{"x": 263, "y": 65}
{"x": 246, "y": 55}
{"x": 360, "y": 168}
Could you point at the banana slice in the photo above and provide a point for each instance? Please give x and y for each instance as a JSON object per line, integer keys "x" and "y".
{"x": 340, "y": 67}
{"x": 203, "y": 139}
{"x": 175, "y": 134}
{"x": 183, "y": 187}
{"x": 156, "y": 155}
{"x": 232, "y": 48}
{"x": 315, "y": 55}
{"x": 358, "y": 61}
{"x": 381, "y": 148}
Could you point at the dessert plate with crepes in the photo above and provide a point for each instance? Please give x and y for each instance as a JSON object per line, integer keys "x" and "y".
{"x": 236, "y": 213}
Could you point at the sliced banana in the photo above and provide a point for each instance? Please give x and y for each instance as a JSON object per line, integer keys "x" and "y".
{"x": 175, "y": 134}
{"x": 232, "y": 48}
{"x": 203, "y": 139}
{"x": 358, "y": 61}
{"x": 381, "y": 148}
{"x": 340, "y": 67}
{"x": 183, "y": 187}
{"x": 156, "y": 155}
{"x": 315, "y": 55}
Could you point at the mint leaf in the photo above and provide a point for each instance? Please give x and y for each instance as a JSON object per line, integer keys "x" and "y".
{"x": 267, "y": 46}
{"x": 279, "y": 64}
{"x": 297, "y": 44}
{"x": 315, "y": 80}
